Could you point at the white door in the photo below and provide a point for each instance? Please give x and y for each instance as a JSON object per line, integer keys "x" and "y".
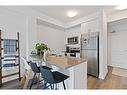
{"x": 119, "y": 49}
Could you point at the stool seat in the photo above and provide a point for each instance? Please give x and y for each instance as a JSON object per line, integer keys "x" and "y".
{"x": 59, "y": 77}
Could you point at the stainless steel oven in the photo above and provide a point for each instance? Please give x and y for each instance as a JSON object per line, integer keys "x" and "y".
{"x": 71, "y": 51}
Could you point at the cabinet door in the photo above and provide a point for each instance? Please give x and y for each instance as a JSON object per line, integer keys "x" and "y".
{"x": 90, "y": 26}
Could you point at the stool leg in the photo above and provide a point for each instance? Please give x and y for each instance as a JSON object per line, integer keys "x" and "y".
{"x": 56, "y": 86}
{"x": 38, "y": 79}
{"x": 64, "y": 85}
{"x": 32, "y": 80}
{"x": 51, "y": 86}
{"x": 27, "y": 79}
{"x": 22, "y": 81}
{"x": 45, "y": 85}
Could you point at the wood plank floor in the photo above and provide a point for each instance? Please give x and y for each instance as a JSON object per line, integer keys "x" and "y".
{"x": 14, "y": 84}
{"x": 110, "y": 82}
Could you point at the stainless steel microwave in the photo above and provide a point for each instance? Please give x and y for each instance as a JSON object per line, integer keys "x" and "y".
{"x": 72, "y": 40}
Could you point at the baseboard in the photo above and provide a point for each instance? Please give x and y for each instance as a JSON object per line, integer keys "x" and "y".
{"x": 118, "y": 66}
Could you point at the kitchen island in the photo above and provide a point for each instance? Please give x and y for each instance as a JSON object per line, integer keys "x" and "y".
{"x": 75, "y": 68}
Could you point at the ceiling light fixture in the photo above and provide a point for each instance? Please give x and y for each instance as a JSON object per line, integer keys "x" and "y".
{"x": 121, "y": 7}
{"x": 71, "y": 14}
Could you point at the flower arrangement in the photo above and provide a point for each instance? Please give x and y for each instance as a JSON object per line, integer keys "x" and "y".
{"x": 41, "y": 47}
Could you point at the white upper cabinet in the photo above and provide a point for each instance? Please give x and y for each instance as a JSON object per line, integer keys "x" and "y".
{"x": 90, "y": 26}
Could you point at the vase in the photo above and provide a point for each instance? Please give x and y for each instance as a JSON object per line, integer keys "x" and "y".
{"x": 40, "y": 54}
{"x": 45, "y": 55}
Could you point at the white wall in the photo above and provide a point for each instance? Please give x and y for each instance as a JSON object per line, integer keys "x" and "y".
{"x": 11, "y": 23}
{"x": 31, "y": 35}
{"x": 53, "y": 37}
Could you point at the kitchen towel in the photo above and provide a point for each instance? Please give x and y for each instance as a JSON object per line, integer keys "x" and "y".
{"x": 9, "y": 46}
{"x": 8, "y": 66}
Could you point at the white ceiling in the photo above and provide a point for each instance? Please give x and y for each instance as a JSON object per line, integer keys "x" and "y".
{"x": 60, "y": 12}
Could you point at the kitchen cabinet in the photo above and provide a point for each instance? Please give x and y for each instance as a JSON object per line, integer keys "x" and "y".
{"x": 90, "y": 26}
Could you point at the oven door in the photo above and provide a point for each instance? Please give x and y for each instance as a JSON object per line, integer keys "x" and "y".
{"x": 73, "y": 54}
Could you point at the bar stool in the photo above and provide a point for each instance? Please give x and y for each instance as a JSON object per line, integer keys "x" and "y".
{"x": 36, "y": 71}
{"x": 52, "y": 77}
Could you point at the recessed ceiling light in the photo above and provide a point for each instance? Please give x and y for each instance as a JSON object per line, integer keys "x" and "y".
{"x": 71, "y": 14}
{"x": 121, "y": 7}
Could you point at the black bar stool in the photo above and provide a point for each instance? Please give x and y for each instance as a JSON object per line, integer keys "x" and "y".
{"x": 52, "y": 77}
{"x": 36, "y": 70}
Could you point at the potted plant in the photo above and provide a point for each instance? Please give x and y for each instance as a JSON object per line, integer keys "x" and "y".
{"x": 41, "y": 47}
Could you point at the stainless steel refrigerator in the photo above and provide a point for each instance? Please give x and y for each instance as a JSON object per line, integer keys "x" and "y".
{"x": 90, "y": 51}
